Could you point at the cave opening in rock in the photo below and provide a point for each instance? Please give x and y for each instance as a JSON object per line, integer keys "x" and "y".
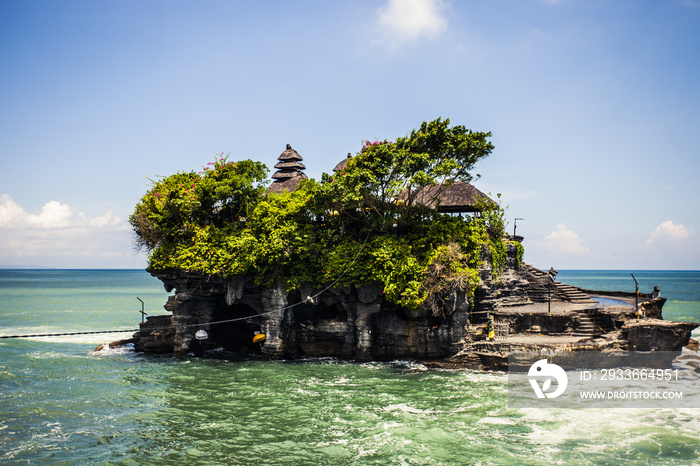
{"x": 236, "y": 336}
{"x": 319, "y": 329}
{"x": 310, "y": 313}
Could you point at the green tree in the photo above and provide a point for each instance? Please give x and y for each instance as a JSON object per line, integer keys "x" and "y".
{"x": 229, "y": 190}
{"x": 177, "y": 205}
{"x": 390, "y": 179}
{"x": 222, "y": 221}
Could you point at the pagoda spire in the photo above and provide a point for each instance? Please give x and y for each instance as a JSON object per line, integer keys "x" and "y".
{"x": 289, "y": 171}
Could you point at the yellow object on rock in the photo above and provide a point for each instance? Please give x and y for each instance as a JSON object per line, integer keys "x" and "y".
{"x": 259, "y": 337}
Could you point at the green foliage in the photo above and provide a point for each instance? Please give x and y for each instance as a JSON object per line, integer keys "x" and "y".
{"x": 387, "y": 179}
{"x": 499, "y": 256}
{"x": 228, "y": 190}
{"x": 447, "y": 270}
{"x": 493, "y": 218}
{"x": 519, "y": 252}
{"x": 357, "y": 226}
{"x": 177, "y": 205}
{"x": 167, "y": 211}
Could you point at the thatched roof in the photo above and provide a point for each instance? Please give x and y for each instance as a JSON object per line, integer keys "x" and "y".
{"x": 342, "y": 163}
{"x": 289, "y": 172}
{"x": 458, "y": 197}
{"x": 287, "y": 184}
{"x": 283, "y": 175}
{"x": 289, "y": 154}
{"x": 291, "y": 165}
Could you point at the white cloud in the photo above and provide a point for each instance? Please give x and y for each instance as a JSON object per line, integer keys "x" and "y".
{"x": 59, "y": 236}
{"x": 670, "y": 246}
{"x": 669, "y": 232}
{"x": 405, "y": 20}
{"x": 566, "y": 242}
{"x": 53, "y": 215}
{"x": 11, "y": 214}
{"x": 108, "y": 219}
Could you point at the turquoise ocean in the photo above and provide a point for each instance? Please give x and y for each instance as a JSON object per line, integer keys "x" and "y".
{"x": 60, "y": 403}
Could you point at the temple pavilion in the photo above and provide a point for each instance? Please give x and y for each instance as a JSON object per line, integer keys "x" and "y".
{"x": 458, "y": 198}
{"x": 289, "y": 171}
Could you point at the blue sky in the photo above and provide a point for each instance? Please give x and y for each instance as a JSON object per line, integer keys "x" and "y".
{"x": 594, "y": 108}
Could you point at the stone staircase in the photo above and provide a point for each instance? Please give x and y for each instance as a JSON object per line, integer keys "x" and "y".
{"x": 539, "y": 290}
{"x": 573, "y": 294}
{"x": 540, "y": 285}
{"x": 587, "y": 325}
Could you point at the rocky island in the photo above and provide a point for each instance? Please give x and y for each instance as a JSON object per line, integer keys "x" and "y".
{"x": 393, "y": 256}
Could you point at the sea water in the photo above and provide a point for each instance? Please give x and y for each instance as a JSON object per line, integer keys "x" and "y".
{"x": 60, "y": 403}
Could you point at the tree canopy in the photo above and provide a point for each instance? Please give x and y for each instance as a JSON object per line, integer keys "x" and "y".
{"x": 176, "y": 205}
{"x": 387, "y": 178}
{"x": 361, "y": 224}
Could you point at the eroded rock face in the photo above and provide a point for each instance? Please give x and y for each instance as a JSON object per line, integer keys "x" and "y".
{"x": 657, "y": 335}
{"x": 348, "y": 323}
{"x": 357, "y": 323}
{"x": 156, "y": 335}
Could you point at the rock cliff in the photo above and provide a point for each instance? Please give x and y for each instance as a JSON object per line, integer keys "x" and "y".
{"x": 349, "y": 323}
{"x": 358, "y": 323}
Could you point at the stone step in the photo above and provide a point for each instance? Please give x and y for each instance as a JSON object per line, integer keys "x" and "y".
{"x": 587, "y": 325}
{"x": 576, "y": 294}
{"x": 572, "y": 292}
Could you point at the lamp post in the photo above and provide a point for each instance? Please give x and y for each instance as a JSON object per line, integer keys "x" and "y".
{"x": 515, "y": 224}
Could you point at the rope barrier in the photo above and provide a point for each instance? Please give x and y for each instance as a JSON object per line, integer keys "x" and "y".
{"x": 237, "y": 319}
{"x": 66, "y": 334}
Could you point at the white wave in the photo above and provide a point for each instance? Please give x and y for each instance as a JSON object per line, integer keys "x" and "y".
{"x": 50, "y": 355}
{"x": 302, "y": 391}
{"x": 497, "y": 421}
{"x": 555, "y": 427}
{"x": 392, "y": 425}
{"x": 95, "y": 338}
{"x": 406, "y": 409}
{"x": 341, "y": 381}
{"x": 408, "y": 364}
{"x": 107, "y": 351}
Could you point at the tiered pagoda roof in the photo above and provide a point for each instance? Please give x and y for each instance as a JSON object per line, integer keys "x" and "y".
{"x": 289, "y": 171}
